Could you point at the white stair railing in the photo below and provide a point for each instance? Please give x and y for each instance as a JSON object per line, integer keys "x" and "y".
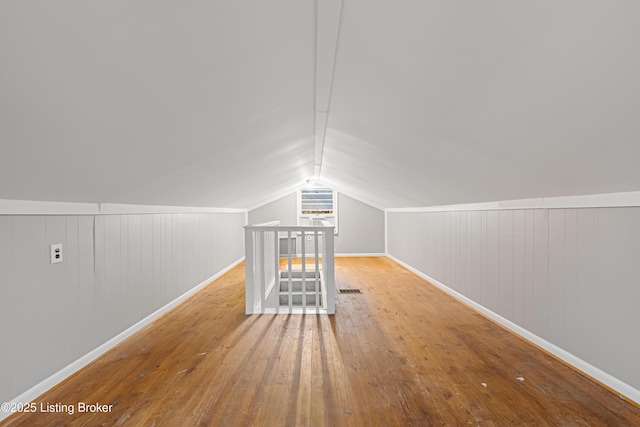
{"x": 271, "y": 290}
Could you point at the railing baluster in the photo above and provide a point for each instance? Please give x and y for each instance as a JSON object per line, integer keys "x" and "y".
{"x": 327, "y": 268}
{"x": 249, "y": 285}
{"x": 289, "y": 272}
{"x": 276, "y": 269}
{"x": 304, "y": 275}
{"x": 260, "y": 269}
{"x": 316, "y": 272}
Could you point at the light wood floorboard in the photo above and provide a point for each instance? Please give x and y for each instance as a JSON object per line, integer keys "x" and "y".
{"x": 402, "y": 353}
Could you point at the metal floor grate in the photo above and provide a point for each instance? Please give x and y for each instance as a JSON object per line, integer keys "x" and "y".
{"x": 350, "y": 291}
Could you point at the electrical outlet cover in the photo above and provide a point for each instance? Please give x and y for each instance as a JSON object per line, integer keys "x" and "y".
{"x": 56, "y": 253}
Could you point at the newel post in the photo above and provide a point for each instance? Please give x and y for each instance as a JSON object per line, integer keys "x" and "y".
{"x": 327, "y": 266}
{"x": 249, "y": 290}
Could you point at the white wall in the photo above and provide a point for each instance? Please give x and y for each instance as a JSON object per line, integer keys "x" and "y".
{"x": 282, "y": 209}
{"x": 53, "y": 314}
{"x": 361, "y": 227}
{"x": 569, "y": 276}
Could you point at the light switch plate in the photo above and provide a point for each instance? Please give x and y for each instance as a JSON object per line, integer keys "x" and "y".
{"x": 56, "y": 253}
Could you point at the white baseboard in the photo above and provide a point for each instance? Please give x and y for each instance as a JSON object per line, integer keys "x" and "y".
{"x": 366, "y": 254}
{"x": 363, "y": 254}
{"x": 40, "y": 388}
{"x": 624, "y": 390}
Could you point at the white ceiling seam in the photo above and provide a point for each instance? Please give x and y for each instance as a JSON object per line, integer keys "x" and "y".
{"x": 328, "y": 23}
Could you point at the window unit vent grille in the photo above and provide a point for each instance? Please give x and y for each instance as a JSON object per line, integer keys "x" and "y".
{"x": 317, "y": 201}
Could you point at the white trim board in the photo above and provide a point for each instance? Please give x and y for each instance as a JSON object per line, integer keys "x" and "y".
{"x": 122, "y": 209}
{"x": 32, "y": 207}
{"x": 608, "y": 200}
{"x": 625, "y": 391}
{"x": 45, "y": 385}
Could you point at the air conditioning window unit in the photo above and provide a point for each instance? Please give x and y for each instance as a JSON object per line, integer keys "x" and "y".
{"x": 317, "y": 204}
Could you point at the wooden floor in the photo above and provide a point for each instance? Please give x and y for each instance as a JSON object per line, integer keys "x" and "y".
{"x": 401, "y": 353}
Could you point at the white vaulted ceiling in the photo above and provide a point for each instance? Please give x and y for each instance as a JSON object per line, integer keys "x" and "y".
{"x": 404, "y": 103}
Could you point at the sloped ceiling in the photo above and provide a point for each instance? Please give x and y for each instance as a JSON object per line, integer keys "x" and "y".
{"x": 406, "y": 103}
{"x": 192, "y": 103}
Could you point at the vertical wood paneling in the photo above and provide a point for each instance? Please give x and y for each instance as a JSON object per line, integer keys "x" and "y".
{"x": 505, "y": 305}
{"x": 72, "y": 267}
{"x": 7, "y": 338}
{"x": 471, "y": 280}
{"x": 204, "y": 248}
{"x": 446, "y": 248}
{"x": 587, "y": 296}
{"x": 146, "y": 265}
{"x": 570, "y": 276}
{"x": 437, "y": 245}
{"x": 540, "y": 272}
{"x": 102, "y": 326}
{"x": 212, "y": 238}
{"x": 205, "y": 245}
{"x": 165, "y": 268}
{"x": 462, "y": 253}
{"x": 453, "y": 254}
{"x": 113, "y": 269}
{"x": 421, "y": 243}
{"x": 184, "y": 253}
{"x": 30, "y": 260}
{"x": 169, "y": 263}
{"x": 483, "y": 257}
{"x": 492, "y": 300}
{"x": 529, "y": 269}
{"x": 56, "y": 294}
{"x": 634, "y": 314}
{"x": 519, "y": 262}
{"x": 431, "y": 247}
{"x": 158, "y": 259}
{"x": 572, "y": 321}
{"x": 189, "y": 252}
{"x": 411, "y": 243}
{"x": 126, "y": 310}
{"x": 475, "y": 256}
{"x": 219, "y": 238}
{"x": 115, "y": 272}
{"x": 88, "y": 301}
{"x": 196, "y": 250}
{"x": 179, "y": 251}
{"x": 557, "y": 270}
{"x": 179, "y": 270}
{"x": 134, "y": 276}
{"x": 619, "y": 270}
{"x": 416, "y": 239}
